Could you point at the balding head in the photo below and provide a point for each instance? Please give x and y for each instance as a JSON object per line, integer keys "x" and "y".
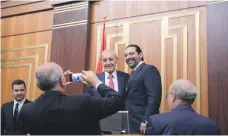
{"x": 184, "y": 90}
{"x": 48, "y": 75}
{"x": 109, "y": 60}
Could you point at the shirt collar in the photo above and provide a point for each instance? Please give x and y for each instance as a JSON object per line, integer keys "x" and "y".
{"x": 114, "y": 73}
{"x": 20, "y": 102}
{"x": 138, "y": 65}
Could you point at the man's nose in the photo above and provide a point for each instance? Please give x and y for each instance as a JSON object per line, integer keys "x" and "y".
{"x": 19, "y": 92}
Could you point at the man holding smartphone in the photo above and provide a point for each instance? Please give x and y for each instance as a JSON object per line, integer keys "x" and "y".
{"x": 54, "y": 113}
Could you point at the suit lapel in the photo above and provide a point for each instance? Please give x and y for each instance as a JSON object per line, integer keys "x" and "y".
{"x": 11, "y": 110}
{"x": 120, "y": 81}
{"x": 132, "y": 77}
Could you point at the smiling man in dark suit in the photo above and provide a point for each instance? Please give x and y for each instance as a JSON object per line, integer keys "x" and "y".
{"x": 10, "y": 110}
{"x": 143, "y": 94}
{"x": 111, "y": 77}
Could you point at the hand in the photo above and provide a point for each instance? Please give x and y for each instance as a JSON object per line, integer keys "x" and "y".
{"x": 143, "y": 128}
{"x": 66, "y": 75}
{"x": 90, "y": 78}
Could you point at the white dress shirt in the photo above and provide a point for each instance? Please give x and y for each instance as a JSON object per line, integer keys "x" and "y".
{"x": 19, "y": 106}
{"x": 138, "y": 65}
{"x": 114, "y": 80}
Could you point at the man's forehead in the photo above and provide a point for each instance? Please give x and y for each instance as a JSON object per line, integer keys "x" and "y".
{"x": 21, "y": 86}
{"x": 108, "y": 54}
{"x": 130, "y": 49}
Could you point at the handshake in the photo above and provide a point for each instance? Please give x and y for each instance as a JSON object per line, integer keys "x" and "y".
{"x": 86, "y": 77}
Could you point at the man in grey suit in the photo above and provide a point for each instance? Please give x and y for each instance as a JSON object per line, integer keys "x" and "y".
{"x": 183, "y": 120}
{"x": 143, "y": 94}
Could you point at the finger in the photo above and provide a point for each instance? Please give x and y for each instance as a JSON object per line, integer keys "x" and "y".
{"x": 83, "y": 76}
{"x": 67, "y": 71}
{"x": 84, "y": 72}
{"x": 67, "y": 83}
{"x": 141, "y": 129}
{"x": 144, "y": 131}
{"x": 84, "y": 82}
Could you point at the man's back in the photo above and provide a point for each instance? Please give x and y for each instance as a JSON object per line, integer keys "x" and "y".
{"x": 55, "y": 113}
{"x": 182, "y": 120}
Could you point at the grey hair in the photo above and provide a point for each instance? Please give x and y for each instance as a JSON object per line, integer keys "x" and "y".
{"x": 47, "y": 80}
{"x": 184, "y": 91}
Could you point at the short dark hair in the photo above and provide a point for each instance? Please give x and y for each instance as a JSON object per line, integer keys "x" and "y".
{"x": 137, "y": 48}
{"x": 18, "y": 82}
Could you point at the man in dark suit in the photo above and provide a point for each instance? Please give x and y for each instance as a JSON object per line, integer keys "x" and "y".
{"x": 10, "y": 110}
{"x": 111, "y": 77}
{"x": 54, "y": 113}
{"x": 183, "y": 120}
{"x": 143, "y": 94}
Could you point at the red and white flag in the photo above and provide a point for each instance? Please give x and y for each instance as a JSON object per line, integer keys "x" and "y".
{"x": 103, "y": 47}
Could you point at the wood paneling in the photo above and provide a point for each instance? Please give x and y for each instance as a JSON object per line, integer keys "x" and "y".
{"x": 71, "y": 16}
{"x": 31, "y": 7}
{"x": 173, "y": 41}
{"x": 70, "y": 42}
{"x": 20, "y": 55}
{"x": 137, "y": 8}
{"x": 27, "y": 23}
{"x": 16, "y": 3}
{"x": 217, "y": 26}
{"x": 26, "y": 43}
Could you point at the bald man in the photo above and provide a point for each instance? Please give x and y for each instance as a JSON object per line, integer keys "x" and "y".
{"x": 111, "y": 77}
{"x": 183, "y": 120}
{"x": 54, "y": 113}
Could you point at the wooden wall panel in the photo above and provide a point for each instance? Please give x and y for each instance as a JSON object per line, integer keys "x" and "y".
{"x": 20, "y": 56}
{"x": 217, "y": 26}
{"x": 40, "y": 21}
{"x": 137, "y": 8}
{"x": 8, "y": 4}
{"x": 66, "y": 17}
{"x": 173, "y": 41}
{"x": 26, "y": 43}
{"x": 71, "y": 39}
{"x": 22, "y": 9}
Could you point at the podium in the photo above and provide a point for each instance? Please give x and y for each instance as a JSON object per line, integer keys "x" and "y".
{"x": 117, "y": 123}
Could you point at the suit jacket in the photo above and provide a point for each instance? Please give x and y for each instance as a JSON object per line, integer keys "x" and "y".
{"x": 54, "y": 113}
{"x": 7, "y": 125}
{"x": 143, "y": 95}
{"x": 183, "y": 120}
{"x": 122, "y": 79}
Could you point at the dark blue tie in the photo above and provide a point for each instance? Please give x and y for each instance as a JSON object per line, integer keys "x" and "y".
{"x": 15, "y": 114}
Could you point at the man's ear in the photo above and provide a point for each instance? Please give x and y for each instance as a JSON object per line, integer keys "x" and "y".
{"x": 141, "y": 55}
{"x": 174, "y": 97}
{"x": 62, "y": 81}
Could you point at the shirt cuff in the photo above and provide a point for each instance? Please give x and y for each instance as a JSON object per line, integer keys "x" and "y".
{"x": 98, "y": 84}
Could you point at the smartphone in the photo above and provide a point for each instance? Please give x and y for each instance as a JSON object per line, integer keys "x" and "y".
{"x": 75, "y": 77}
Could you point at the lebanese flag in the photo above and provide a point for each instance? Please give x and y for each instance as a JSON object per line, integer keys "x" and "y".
{"x": 103, "y": 47}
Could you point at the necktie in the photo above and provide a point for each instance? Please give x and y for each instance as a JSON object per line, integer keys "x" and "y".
{"x": 15, "y": 114}
{"x": 110, "y": 82}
